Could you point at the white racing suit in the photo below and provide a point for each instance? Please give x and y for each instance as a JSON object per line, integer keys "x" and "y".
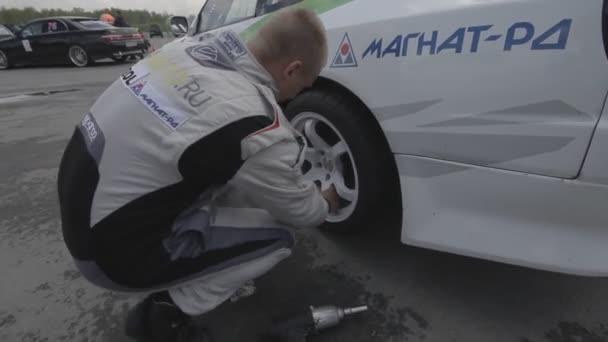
{"x": 147, "y": 180}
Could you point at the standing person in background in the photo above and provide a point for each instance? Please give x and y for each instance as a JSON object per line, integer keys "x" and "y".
{"x": 120, "y": 21}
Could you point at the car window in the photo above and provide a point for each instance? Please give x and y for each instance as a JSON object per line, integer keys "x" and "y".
{"x": 53, "y": 26}
{"x": 217, "y": 13}
{"x": 32, "y": 29}
{"x": 92, "y": 23}
{"x": 268, "y": 6}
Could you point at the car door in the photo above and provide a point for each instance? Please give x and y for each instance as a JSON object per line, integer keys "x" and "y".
{"x": 54, "y": 41}
{"x": 29, "y": 35}
{"x": 512, "y": 85}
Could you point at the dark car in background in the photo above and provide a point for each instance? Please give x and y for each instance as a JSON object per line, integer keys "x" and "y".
{"x": 14, "y": 28}
{"x": 76, "y": 40}
{"x": 155, "y": 31}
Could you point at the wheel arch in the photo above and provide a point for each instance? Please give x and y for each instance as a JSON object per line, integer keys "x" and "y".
{"x": 330, "y": 85}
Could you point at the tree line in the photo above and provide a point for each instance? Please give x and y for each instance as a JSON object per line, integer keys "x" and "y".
{"x": 141, "y": 19}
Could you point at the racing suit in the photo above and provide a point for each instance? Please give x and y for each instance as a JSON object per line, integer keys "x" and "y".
{"x": 149, "y": 180}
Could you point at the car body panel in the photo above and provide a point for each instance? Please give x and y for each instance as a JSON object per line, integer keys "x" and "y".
{"x": 51, "y": 46}
{"x": 534, "y": 221}
{"x": 595, "y": 169}
{"x": 15, "y": 50}
{"x": 508, "y": 101}
{"x": 505, "y": 106}
{"x": 25, "y": 54}
{"x": 99, "y": 49}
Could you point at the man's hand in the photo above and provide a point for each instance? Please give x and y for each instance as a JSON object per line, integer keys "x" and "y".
{"x": 331, "y": 196}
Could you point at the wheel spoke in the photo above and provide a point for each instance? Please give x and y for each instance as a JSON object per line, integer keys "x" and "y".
{"x": 315, "y": 173}
{"x": 327, "y": 165}
{"x": 311, "y": 155}
{"x": 343, "y": 191}
{"x": 325, "y": 185}
{"x": 339, "y": 149}
{"x": 311, "y": 133}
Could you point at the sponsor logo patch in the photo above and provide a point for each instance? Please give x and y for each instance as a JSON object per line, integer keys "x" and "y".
{"x": 90, "y": 127}
{"x": 206, "y": 52}
{"x": 345, "y": 56}
{"x": 160, "y": 112}
{"x": 208, "y": 55}
{"x": 231, "y": 45}
{"x": 131, "y": 77}
{"x": 153, "y": 100}
{"x": 193, "y": 93}
{"x": 137, "y": 88}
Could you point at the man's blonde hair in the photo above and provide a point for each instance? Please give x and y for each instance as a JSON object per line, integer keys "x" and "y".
{"x": 293, "y": 33}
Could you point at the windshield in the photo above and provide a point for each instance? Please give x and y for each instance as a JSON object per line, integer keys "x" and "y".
{"x": 88, "y": 23}
{"x": 217, "y": 13}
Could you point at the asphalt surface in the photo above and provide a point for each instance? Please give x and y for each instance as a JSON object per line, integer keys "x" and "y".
{"x": 414, "y": 294}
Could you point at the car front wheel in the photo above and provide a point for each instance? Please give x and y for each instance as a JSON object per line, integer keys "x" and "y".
{"x": 4, "y": 63}
{"x": 346, "y": 149}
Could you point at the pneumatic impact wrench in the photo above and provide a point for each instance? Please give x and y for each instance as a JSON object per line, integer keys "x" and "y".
{"x": 298, "y": 327}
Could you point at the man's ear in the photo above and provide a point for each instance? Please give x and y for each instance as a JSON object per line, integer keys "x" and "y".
{"x": 293, "y": 68}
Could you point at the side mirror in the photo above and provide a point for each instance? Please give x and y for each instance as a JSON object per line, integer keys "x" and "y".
{"x": 179, "y": 25}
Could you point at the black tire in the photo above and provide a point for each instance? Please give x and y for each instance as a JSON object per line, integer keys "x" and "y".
{"x": 6, "y": 64}
{"x": 76, "y": 61}
{"x": 378, "y": 190}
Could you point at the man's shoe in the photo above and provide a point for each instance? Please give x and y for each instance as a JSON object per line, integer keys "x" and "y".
{"x": 158, "y": 319}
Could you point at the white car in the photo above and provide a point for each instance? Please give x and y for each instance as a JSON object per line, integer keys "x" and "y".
{"x": 484, "y": 118}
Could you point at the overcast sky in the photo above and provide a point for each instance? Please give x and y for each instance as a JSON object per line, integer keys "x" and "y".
{"x": 178, "y": 7}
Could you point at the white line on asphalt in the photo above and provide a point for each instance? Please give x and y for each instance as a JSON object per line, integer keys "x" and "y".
{"x": 17, "y": 98}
